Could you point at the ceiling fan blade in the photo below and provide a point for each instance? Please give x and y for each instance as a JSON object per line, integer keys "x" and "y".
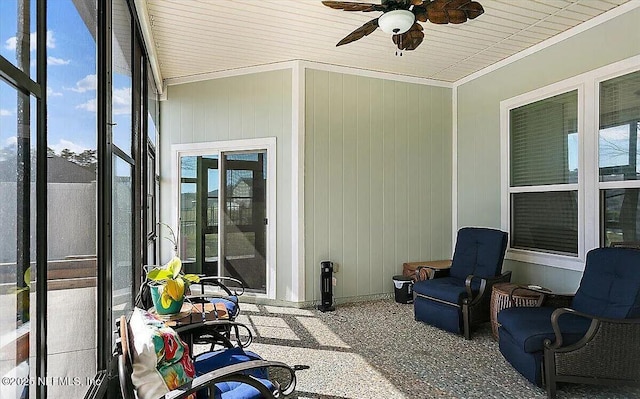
{"x": 452, "y": 11}
{"x": 411, "y": 39}
{"x": 359, "y": 33}
{"x": 420, "y": 12}
{"x": 348, "y": 6}
{"x": 457, "y": 16}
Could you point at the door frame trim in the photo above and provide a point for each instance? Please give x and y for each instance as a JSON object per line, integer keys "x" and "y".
{"x": 217, "y": 147}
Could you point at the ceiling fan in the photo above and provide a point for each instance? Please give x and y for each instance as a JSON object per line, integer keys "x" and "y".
{"x": 400, "y": 18}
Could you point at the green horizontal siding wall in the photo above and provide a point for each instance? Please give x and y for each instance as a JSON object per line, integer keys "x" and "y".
{"x": 378, "y": 158}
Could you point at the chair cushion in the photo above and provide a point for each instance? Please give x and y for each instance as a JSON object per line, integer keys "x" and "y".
{"x": 231, "y": 303}
{"x": 529, "y": 327}
{"x": 449, "y": 289}
{"x": 237, "y": 390}
{"x": 528, "y": 364}
{"x": 438, "y": 314}
{"x": 610, "y": 285}
{"x": 479, "y": 251}
{"x": 161, "y": 360}
{"x": 209, "y": 361}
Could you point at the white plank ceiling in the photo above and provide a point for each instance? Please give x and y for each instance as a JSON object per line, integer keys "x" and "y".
{"x": 198, "y": 37}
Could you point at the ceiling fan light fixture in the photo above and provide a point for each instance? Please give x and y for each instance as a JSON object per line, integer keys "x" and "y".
{"x": 396, "y": 22}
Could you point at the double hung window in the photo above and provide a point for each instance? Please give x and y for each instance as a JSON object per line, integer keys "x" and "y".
{"x": 544, "y": 174}
{"x": 570, "y": 180}
{"x": 618, "y": 131}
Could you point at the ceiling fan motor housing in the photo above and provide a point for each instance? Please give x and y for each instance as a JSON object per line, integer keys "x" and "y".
{"x": 396, "y": 22}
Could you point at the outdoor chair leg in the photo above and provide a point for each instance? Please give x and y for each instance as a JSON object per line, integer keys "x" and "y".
{"x": 465, "y": 322}
{"x": 551, "y": 390}
{"x": 548, "y": 375}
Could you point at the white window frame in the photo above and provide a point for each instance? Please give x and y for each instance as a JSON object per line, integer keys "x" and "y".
{"x": 588, "y": 185}
{"x": 216, "y": 148}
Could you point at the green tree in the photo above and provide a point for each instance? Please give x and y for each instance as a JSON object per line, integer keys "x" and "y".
{"x": 67, "y": 154}
{"x": 87, "y": 158}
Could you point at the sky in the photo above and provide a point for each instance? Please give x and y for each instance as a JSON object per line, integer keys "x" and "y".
{"x": 71, "y": 67}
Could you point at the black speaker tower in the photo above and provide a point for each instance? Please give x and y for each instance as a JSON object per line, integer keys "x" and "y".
{"x": 326, "y": 286}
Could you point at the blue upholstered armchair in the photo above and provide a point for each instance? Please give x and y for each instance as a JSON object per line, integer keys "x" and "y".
{"x": 596, "y": 340}
{"x": 457, "y": 302}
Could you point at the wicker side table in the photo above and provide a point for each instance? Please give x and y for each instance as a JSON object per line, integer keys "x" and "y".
{"x": 500, "y": 300}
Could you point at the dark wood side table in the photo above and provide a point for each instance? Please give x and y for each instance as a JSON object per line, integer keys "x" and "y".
{"x": 193, "y": 313}
{"x": 433, "y": 267}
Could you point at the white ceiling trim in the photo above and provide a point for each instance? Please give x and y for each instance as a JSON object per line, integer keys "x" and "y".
{"x": 374, "y": 74}
{"x": 230, "y": 73}
{"x": 306, "y": 64}
{"x": 147, "y": 35}
{"x": 600, "y": 19}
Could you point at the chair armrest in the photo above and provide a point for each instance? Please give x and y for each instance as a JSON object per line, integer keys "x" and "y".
{"x": 235, "y": 372}
{"x": 219, "y": 281}
{"x": 596, "y": 323}
{"x": 200, "y": 298}
{"x": 210, "y": 323}
{"x": 546, "y": 295}
{"x": 485, "y": 286}
{"x": 214, "y": 327}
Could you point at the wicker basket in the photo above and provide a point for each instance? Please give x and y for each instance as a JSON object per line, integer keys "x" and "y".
{"x": 500, "y": 300}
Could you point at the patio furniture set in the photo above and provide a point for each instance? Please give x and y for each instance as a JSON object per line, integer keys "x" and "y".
{"x": 590, "y": 337}
{"x": 155, "y": 352}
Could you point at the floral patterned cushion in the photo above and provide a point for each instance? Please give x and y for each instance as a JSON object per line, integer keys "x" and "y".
{"x": 161, "y": 361}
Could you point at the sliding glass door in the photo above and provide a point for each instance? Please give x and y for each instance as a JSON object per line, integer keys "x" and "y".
{"x": 223, "y": 215}
{"x": 244, "y": 209}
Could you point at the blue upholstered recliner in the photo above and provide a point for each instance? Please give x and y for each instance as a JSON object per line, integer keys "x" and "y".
{"x": 457, "y": 302}
{"x": 596, "y": 340}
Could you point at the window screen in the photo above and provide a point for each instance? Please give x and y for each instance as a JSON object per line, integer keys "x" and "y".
{"x": 543, "y": 152}
{"x": 619, "y": 213}
{"x": 546, "y": 221}
{"x": 543, "y": 141}
{"x": 619, "y": 125}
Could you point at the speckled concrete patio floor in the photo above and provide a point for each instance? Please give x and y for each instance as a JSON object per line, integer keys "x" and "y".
{"x": 375, "y": 349}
